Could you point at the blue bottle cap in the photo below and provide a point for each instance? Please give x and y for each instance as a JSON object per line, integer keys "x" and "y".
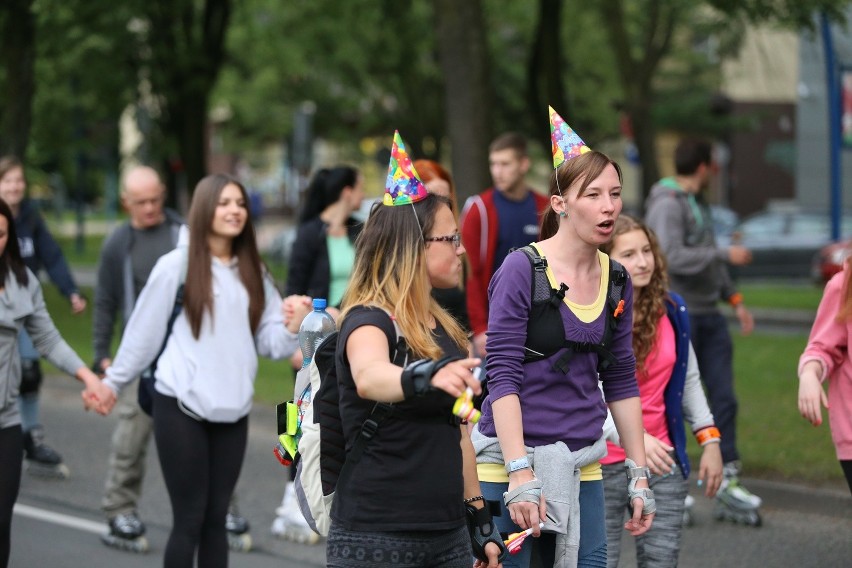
{"x": 320, "y": 303}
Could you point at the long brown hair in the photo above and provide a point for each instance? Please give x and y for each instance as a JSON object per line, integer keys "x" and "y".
{"x": 649, "y": 304}
{"x": 10, "y": 260}
{"x": 584, "y": 169}
{"x": 390, "y": 273}
{"x": 198, "y": 294}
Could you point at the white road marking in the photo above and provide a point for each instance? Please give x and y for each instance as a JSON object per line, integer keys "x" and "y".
{"x": 59, "y": 519}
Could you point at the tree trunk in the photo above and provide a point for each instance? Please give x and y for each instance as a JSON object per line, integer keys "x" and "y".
{"x": 17, "y": 57}
{"x": 645, "y": 136}
{"x": 462, "y": 52}
{"x": 544, "y": 74}
{"x": 187, "y": 44}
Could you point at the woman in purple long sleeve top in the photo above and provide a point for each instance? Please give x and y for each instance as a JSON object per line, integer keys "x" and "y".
{"x": 535, "y": 405}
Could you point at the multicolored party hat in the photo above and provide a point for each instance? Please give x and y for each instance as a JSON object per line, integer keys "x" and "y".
{"x": 565, "y": 143}
{"x": 403, "y": 185}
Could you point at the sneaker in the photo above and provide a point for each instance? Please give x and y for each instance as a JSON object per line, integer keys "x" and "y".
{"x": 36, "y": 450}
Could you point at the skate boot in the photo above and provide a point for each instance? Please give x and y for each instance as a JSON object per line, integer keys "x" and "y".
{"x": 239, "y": 539}
{"x": 126, "y": 532}
{"x": 289, "y": 524}
{"x": 734, "y": 502}
{"x": 688, "y": 515}
{"x": 41, "y": 459}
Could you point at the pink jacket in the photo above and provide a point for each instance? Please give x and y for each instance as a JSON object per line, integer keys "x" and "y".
{"x": 831, "y": 343}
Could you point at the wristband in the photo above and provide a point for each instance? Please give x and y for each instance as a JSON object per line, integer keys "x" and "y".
{"x": 416, "y": 378}
{"x": 470, "y": 500}
{"x": 735, "y": 299}
{"x": 708, "y": 435}
{"x": 522, "y": 462}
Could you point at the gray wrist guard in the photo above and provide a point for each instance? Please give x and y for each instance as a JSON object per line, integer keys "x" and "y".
{"x": 416, "y": 378}
{"x": 525, "y": 492}
{"x": 483, "y": 531}
{"x": 634, "y": 472}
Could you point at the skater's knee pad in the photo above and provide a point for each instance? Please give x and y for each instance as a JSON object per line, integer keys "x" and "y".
{"x": 30, "y": 376}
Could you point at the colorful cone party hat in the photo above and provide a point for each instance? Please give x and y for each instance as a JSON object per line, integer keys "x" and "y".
{"x": 403, "y": 185}
{"x": 565, "y": 143}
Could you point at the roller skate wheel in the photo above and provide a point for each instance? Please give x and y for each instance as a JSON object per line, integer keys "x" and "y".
{"x": 239, "y": 542}
{"x": 58, "y": 471}
{"x": 137, "y": 545}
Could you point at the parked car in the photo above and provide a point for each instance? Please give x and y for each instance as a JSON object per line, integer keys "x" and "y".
{"x": 784, "y": 242}
{"x": 829, "y": 260}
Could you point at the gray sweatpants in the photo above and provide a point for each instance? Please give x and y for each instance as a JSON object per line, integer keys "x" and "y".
{"x": 660, "y": 546}
{"x": 128, "y": 451}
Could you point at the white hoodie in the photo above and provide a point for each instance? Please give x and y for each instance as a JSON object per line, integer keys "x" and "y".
{"x": 213, "y": 376}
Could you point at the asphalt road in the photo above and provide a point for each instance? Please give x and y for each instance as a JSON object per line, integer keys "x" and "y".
{"x": 56, "y": 522}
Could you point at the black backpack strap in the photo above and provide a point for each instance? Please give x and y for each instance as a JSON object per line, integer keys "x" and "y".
{"x": 380, "y": 412}
{"x": 176, "y": 309}
{"x": 613, "y": 308}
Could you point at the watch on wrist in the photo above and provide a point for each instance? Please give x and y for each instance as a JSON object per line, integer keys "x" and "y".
{"x": 518, "y": 464}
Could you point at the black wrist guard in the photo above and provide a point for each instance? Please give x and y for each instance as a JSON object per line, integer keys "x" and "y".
{"x": 483, "y": 531}
{"x": 416, "y": 378}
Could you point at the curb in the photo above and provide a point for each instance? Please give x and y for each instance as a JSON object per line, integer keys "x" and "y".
{"x": 801, "y": 498}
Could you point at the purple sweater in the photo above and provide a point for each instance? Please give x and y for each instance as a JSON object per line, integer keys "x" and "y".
{"x": 554, "y": 406}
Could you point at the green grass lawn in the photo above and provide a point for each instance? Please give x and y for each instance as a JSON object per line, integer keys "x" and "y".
{"x": 774, "y": 440}
{"x": 803, "y": 296}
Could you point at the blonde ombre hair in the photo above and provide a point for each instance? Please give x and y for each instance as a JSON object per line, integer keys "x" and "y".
{"x": 390, "y": 273}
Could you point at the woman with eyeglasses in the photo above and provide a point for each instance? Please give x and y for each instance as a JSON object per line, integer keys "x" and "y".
{"x": 413, "y": 497}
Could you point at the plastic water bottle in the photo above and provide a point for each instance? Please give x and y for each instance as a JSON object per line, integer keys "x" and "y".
{"x": 315, "y": 327}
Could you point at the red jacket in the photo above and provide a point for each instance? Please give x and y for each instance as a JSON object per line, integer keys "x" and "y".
{"x": 479, "y": 230}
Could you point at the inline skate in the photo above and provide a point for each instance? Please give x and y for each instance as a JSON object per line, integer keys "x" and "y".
{"x": 289, "y": 524}
{"x": 239, "y": 539}
{"x": 734, "y": 502}
{"x": 688, "y": 515}
{"x": 42, "y": 460}
{"x": 126, "y": 532}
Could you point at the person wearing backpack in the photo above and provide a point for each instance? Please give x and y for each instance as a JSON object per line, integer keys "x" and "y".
{"x": 231, "y": 312}
{"x": 413, "y": 498}
{"x": 543, "y": 405}
{"x": 670, "y": 389}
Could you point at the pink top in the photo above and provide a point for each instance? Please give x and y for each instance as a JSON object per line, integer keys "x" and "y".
{"x": 652, "y": 389}
{"x": 831, "y": 343}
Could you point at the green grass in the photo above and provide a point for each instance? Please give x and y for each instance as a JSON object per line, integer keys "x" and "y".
{"x": 88, "y": 257}
{"x": 780, "y": 295}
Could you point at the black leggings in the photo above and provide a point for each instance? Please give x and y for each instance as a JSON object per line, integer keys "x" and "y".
{"x": 201, "y": 462}
{"x": 847, "y": 471}
{"x": 11, "y": 456}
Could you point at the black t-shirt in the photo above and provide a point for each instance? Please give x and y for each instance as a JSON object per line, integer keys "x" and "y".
{"x": 410, "y": 475}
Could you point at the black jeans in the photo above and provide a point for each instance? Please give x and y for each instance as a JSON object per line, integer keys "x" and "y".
{"x": 201, "y": 463}
{"x": 715, "y": 353}
{"x": 11, "y": 455}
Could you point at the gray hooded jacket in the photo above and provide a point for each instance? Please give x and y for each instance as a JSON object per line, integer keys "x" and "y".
{"x": 697, "y": 268}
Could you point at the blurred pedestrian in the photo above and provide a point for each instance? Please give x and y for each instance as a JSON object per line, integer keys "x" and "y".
{"x": 320, "y": 266}
{"x": 499, "y": 219}
{"x": 38, "y": 250}
{"x": 230, "y": 313}
{"x": 670, "y": 391}
{"x": 439, "y": 181}
{"x": 22, "y": 307}
{"x": 405, "y": 501}
{"x": 698, "y": 270}
{"x": 827, "y": 359}
{"x": 539, "y": 441}
{"x": 126, "y": 260}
